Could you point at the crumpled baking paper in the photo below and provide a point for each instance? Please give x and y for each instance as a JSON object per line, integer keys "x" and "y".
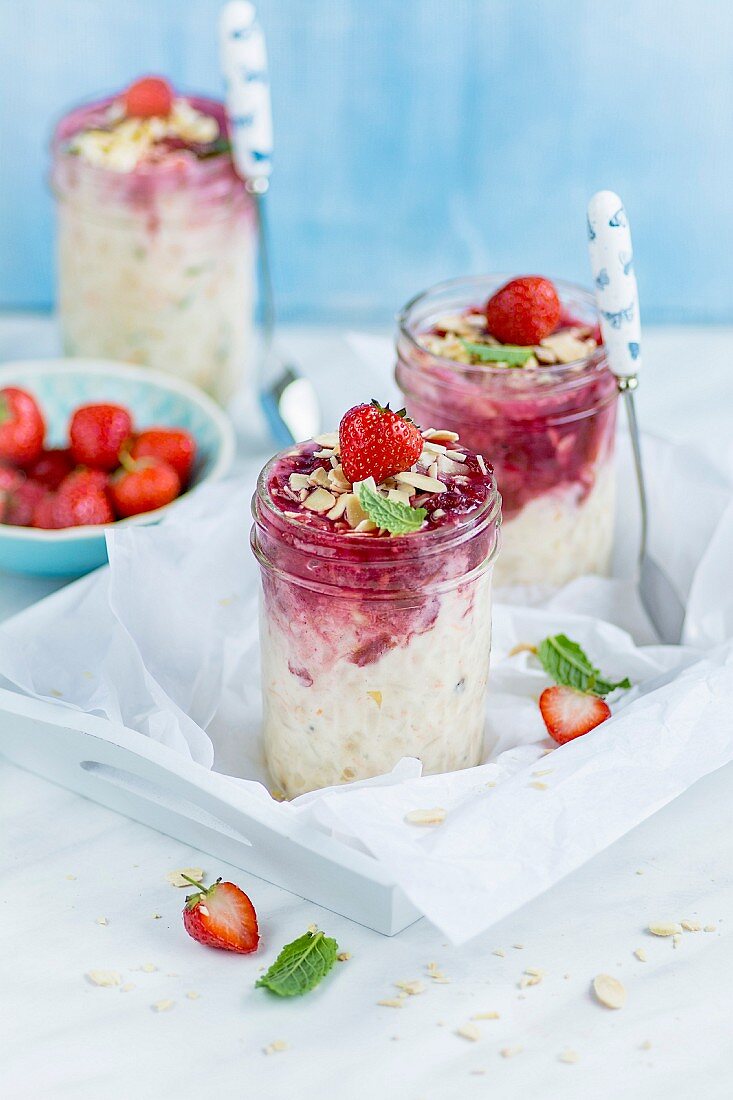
{"x": 165, "y": 641}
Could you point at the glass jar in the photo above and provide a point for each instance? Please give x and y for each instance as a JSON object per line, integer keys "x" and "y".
{"x": 373, "y": 649}
{"x": 156, "y": 265}
{"x": 548, "y": 431}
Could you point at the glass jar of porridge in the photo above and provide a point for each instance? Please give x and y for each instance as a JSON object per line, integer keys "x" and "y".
{"x": 546, "y": 425}
{"x": 374, "y": 646}
{"x": 156, "y": 241}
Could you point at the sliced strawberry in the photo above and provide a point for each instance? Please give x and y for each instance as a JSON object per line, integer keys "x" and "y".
{"x": 568, "y": 713}
{"x": 376, "y": 442}
{"x": 221, "y": 916}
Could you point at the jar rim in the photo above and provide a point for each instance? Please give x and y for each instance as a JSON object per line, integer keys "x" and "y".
{"x": 559, "y": 372}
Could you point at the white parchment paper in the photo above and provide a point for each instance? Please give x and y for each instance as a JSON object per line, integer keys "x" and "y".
{"x": 165, "y": 642}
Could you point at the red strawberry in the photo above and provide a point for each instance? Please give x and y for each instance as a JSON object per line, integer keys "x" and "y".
{"x": 568, "y": 713}
{"x": 22, "y": 427}
{"x": 152, "y": 95}
{"x": 82, "y": 500}
{"x": 175, "y": 446}
{"x": 144, "y": 486}
{"x": 221, "y": 916}
{"x": 376, "y": 442}
{"x": 51, "y": 467}
{"x": 21, "y": 504}
{"x": 97, "y": 434}
{"x": 523, "y": 311}
{"x": 44, "y": 513}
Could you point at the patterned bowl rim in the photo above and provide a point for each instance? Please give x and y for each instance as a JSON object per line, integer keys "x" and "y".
{"x": 110, "y": 368}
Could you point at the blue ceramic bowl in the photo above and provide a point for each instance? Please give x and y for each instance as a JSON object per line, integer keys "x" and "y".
{"x": 60, "y": 386}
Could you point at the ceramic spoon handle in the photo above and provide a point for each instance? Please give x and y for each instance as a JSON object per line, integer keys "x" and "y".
{"x": 612, "y": 266}
{"x": 244, "y": 64}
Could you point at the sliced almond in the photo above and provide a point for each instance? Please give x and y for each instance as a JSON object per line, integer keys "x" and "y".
{"x": 481, "y": 464}
{"x": 567, "y": 348}
{"x": 275, "y": 1047}
{"x": 339, "y": 508}
{"x": 640, "y": 954}
{"x": 469, "y": 1031}
{"x": 691, "y": 925}
{"x": 163, "y": 1006}
{"x": 319, "y": 477}
{"x": 420, "y": 481}
{"x": 486, "y": 1016}
{"x": 434, "y": 816}
{"x": 298, "y": 482}
{"x": 568, "y": 1056}
{"x": 440, "y": 435}
{"x": 447, "y": 465}
{"x": 325, "y": 453}
{"x": 411, "y": 988}
{"x": 320, "y": 500}
{"x": 433, "y": 448}
{"x": 105, "y": 978}
{"x": 668, "y": 928}
{"x": 609, "y": 991}
{"x": 354, "y": 511}
{"x": 327, "y": 439}
{"x": 365, "y": 527}
{"x": 399, "y": 496}
{"x": 510, "y": 1052}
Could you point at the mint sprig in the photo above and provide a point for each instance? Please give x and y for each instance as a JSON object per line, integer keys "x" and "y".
{"x": 301, "y": 965}
{"x": 567, "y": 664}
{"x": 392, "y": 515}
{"x": 510, "y": 354}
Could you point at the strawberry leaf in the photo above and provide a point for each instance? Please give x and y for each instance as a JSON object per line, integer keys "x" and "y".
{"x": 567, "y": 664}
{"x": 392, "y": 515}
{"x": 301, "y": 965}
{"x": 506, "y": 353}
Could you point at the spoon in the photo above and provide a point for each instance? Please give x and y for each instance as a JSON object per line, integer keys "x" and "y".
{"x": 288, "y": 400}
{"x": 617, "y": 295}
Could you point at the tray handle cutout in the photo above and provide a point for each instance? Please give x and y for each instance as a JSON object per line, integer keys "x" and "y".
{"x": 154, "y": 792}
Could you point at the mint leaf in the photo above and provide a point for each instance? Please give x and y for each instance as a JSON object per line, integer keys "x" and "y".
{"x": 301, "y": 965}
{"x": 567, "y": 664}
{"x": 392, "y": 515}
{"x": 506, "y": 353}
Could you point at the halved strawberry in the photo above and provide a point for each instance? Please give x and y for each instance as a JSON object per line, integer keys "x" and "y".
{"x": 221, "y": 916}
{"x": 568, "y": 713}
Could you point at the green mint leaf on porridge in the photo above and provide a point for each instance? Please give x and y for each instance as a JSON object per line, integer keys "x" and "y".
{"x": 392, "y": 515}
{"x": 505, "y": 353}
{"x": 301, "y": 965}
{"x": 567, "y": 664}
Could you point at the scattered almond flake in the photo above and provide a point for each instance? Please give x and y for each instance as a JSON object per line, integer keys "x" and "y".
{"x": 447, "y": 465}
{"x": 491, "y": 783}
{"x": 640, "y": 954}
{"x": 411, "y": 988}
{"x": 343, "y": 956}
{"x": 105, "y": 978}
{"x": 56, "y": 693}
{"x": 568, "y": 1056}
{"x": 325, "y": 453}
{"x": 509, "y": 1052}
{"x": 399, "y": 496}
{"x": 334, "y": 461}
{"x": 312, "y": 928}
{"x": 127, "y": 987}
{"x": 156, "y": 916}
{"x": 354, "y": 511}
{"x": 535, "y": 972}
{"x": 710, "y": 928}
{"x": 327, "y": 439}
{"x": 646, "y": 1045}
{"x": 662, "y": 928}
{"x": 391, "y": 1002}
{"x": 175, "y": 878}
{"x": 162, "y": 1006}
{"x": 193, "y": 995}
{"x": 298, "y": 482}
{"x": 438, "y": 513}
{"x": 499, "y": 951}
{"x": 338, "y": 509}
{"x": 567, "y": 348}
{"x": 275, "y": 1047}
{"x": 486, "y": 1016}
{"x": 544, "y": 771}
{"x": 609, "y": 991}
{"x": 440, "y": 435}
{"x": 518, "y": 946}
{"x": 433, "y": 448}
{"x": 433, "y": 469}
{"x": 528, "y": 979}
{"x": 691, "y": 925}
{"x": 469, "y": 1031}
{"x": 365, "y": 527}
{"x": 71, "y": 878}
{"x": 320, "y": 500}
{"x": 457, "y": 456}
{"x": 319, "y": 476}
{"x": 640, "y": 872}
{"x": 376, "y": 696}
{"x": 148, "y": 968}
{"x": 539, "y": 785}
{"x": 87, "y": 674}
{"x": 420, "y": 481}
{"x": 481, "y": 464}
{"x": 434, "y": 816}
{"x": 102, "y": 920}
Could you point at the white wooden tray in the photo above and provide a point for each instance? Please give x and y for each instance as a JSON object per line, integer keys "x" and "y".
{"x": 148, "y": 782}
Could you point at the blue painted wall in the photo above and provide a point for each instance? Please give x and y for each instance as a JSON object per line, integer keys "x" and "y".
{"x": 419, "y": 139}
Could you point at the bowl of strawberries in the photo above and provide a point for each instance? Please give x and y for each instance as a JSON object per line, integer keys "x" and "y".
{"x": 85, "y": 443}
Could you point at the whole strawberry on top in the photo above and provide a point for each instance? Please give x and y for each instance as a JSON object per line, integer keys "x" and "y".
{"x": 523, "y": 311}
{"x": 98, "y": 433}
{"x": 377, "y": 442}
{"x": 148, "y": 97}
{"x": 22, "y": 427}
{"x": 221, "y": 916}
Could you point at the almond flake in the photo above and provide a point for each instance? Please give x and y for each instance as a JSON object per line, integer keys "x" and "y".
{"x": 420, "y": 481}
{"x": 538, "y": 785}
{"x": 433, "y": 448}
{"x": 691, "y": 925}
{"x": 670, "y": 928}
{"x": 566, "y": 347}
{"x": 499, "y": 951}
{"x": 275, "y": 1047}
{"x": 447, "y": 465}
{"x": 469, "y": 1031}
{"x": 543, "y": 771}
{"x": 710, "y": 928}
{"x": 343, "y": 956}
{"x": 104, "y": 978}
{"x": 148, "y": 968}
{"x": 298, "y": 482}
{"x": 640, "y": 954}
{"x": 127, "y": 987}
{"x": 481, "y": 464}
{"x": 365, "y": 527}
{"x": 175, "y": 878}
{"x": 162, "y": 1006}
{"x": 609, "y": 991}
{"x": 70, "y": 878}
{"x": 102, "y": 920}
{"x": 319, "y": 477}
{"x": 568, "y": 1056}
{"x": 320, "y": 500}
{"x": 518, "y": 946}
{"x": 486, "y": 1016}
{"x": 676, "y": 939}
{"x": 376, "y": 696}
{"x": 646, "y": 1045}
{"x": 433, "y": 469}
{"x": 325, "y": 453}
{"x": 391, "y": 1002}
{"x": 509, "y": 1052}
{"x": 457, "y": 456}
{"x": 399, "y": 495}
{"x": 412, "y": 988}
{"x": 338, "y": 509}
{"x": 327, "y": 439}
{"x": 434, "y": 816}
{"x": 440, "y": 435}
{"x": 354, "y": 511}
{"x": 438, "y": 513}
{"x": 193, "y": 995}
{"x": 156, "y": 916}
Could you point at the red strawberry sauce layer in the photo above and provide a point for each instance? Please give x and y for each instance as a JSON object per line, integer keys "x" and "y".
{"x": 542, "y": 428}
{"x": 336, "y": 594}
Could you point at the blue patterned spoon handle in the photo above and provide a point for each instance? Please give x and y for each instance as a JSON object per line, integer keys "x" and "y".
{"x": 244, "y": 64}
{"x": 614, "y": 282}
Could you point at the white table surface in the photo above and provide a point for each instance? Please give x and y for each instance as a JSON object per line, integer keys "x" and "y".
{"x": 67, "y": 862}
